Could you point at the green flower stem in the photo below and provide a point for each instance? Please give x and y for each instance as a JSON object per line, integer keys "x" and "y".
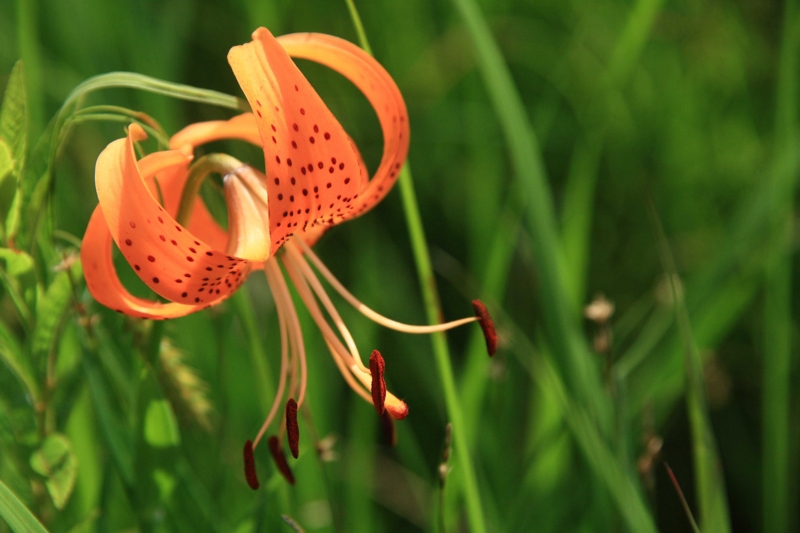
{"x": 433, "y": 310}
{"x": 209, "y": 164}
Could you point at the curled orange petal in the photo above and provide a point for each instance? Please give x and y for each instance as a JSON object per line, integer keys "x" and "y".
{"x": 314, "y": 175}
{"x": 241, "y": 127}
{"x": 380, "y": 89}
{"x": 169, "y": 258}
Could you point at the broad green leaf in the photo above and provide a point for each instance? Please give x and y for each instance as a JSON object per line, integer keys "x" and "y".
{"x": 13, "y": 121}
{"x": 160, "y": 425}
{"x": 17, "y": 262}
{"x": 16, "y": 515}
{"x": 56, "y": 461}
{"x": 6, "y": 161}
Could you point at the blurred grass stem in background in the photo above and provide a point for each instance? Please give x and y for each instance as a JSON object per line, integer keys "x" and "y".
{"x": 776, "y": 406}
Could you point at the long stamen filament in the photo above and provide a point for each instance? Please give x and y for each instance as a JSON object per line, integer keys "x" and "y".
{"x": 369, "y": 313}
{"x": 284, "y": 359}
{"x": 295, "y": 332}
{"x": 316, "y": 313}
{"x": 306, "y": 271}
{"x": 343, "y": 359}
{"x": 348, "y": 376}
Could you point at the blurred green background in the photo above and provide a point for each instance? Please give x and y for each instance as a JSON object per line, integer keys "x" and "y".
{"x": 644, "y": 150}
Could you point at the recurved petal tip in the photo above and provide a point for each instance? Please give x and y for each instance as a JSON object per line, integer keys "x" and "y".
{"x": 280, "y": 459}
{"x": 487, "y": 325}
{"x": 250, "y": 466}
{"x": 292, "y": 430}
{"x": 376, "y": 369}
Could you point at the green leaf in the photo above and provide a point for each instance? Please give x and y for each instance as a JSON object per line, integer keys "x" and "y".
{"x": 113, "y": 430}
{"x": 12, "y": 355}
{"x": 86, "y": 525}
{"x": 17, "y": 262}
{"x": 49, "y": 311}
{"x": 16, "y": 515}
{"x": 56, "y": 461}
{"x": 6, "y": 161}
{"x": 160, "y": 425}
{"x": 14, "y": 122}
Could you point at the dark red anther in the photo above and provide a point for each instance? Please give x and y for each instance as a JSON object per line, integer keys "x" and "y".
{"x": 376, "y": 367}
{"x": 250, "y": 466}
{"x": 487, "y": 325}
{"x": 292, "y": 431}
{"x": 280, "y": 459}
{"x": 388, "y": 429}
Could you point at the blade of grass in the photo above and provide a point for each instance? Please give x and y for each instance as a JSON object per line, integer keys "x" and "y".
{"x": 621, "y": 487}
{"x": 434, "y": 315}
{"x": 16, "y": 515}
{"x": 579, "y": 195}
{"x": 778, "y": 288}
{"x": 563, "y": 331}
{"x": 714, "y": 515}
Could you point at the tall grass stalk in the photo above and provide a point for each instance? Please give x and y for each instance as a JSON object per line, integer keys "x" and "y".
{"x": 778, "y": 287}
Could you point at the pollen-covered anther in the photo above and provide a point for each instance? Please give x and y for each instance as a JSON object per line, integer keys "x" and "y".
{"x": 376, "y": 368}
{"x": 487, "y": 325}
{"x": 292, "y": 430}
{"x": 280, "y": 459}
{"x": 250, "y": 466}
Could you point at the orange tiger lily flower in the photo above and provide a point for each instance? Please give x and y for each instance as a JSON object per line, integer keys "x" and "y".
{"x": 314, "y": 179}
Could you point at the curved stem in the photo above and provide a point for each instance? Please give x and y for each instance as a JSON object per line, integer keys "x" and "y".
{"x": 211, "y": 163}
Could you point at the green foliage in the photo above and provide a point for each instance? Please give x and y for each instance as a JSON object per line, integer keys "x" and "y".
{"x": 644, "y": 150}
{"x": 13, "y": 130}
{"x": 56, "y": 461}
{"x": 16, "y": 515}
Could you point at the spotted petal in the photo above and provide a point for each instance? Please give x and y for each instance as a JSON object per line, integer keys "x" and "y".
{"x": 169, "y": 258}
{"x": 380, "y": 89}
{"x": 314, "y": 175}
